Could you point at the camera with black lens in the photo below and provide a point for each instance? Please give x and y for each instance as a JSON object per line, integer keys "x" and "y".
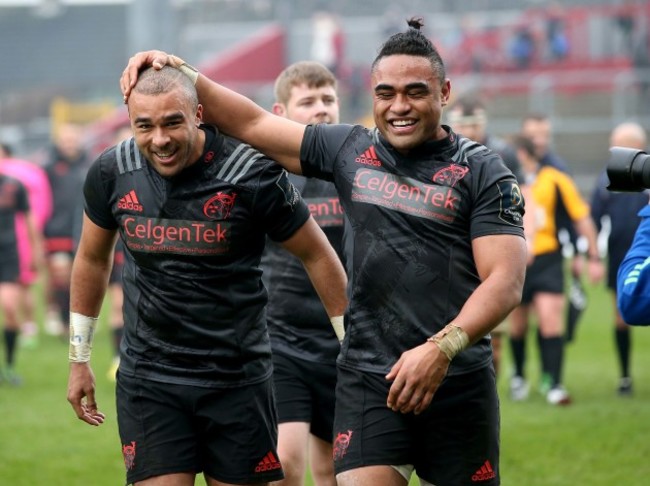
{"x": 628, "y": 170}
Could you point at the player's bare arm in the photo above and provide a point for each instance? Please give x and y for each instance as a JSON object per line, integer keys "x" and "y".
{"x": 322, "y": 264}
{"x": 35, "y": 241}
{"x": 501, "y": 263}
{"x": 587, "y": 229}
{"x": 90, "y": 274}
{"x": 234, "y": 114}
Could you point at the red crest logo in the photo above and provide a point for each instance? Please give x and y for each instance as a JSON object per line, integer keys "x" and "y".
{"x": 218, "y": 207}
{"x": 449, "y": 176}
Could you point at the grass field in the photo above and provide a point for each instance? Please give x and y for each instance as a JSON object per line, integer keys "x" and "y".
{"x": 600, "y": 439}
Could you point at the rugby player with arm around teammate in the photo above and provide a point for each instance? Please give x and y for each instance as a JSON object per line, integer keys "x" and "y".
{"x": 437, "y": 261}
{"x": 193, "y": 208}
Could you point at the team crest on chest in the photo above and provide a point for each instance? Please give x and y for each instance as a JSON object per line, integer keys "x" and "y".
{"x": 218, "y": 207}
{"x": 450, "y": 175}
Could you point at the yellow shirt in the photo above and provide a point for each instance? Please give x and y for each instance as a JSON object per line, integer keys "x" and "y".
{"x": 547, "y": 186}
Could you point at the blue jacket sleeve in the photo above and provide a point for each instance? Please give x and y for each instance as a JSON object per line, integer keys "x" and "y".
{"x": 633, "y": 282}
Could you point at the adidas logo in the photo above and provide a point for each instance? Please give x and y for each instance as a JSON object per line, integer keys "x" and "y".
{"x": 130, "y": 202}
{"x": 485, "y": 473}
{"x": 369, "y": 157}
{"x": 268, "y": 463}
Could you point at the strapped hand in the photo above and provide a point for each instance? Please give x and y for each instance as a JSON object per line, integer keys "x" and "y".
{"x": 141, "y": 60}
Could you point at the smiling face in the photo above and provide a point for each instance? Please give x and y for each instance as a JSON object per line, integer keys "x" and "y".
{"x": 408, "y": 101}
{"x": 310, "y": 105}
{"x": 166, "y": 130}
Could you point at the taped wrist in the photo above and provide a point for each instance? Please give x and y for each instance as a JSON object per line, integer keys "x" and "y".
{"x": 82, "y": 331}
{"x": 187, "y": 69}
{"x": 451, "y": 340}
{"x": 339, "y": 328}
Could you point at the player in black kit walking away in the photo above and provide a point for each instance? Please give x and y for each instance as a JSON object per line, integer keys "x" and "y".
{"x": 438, "y": 260}
{"x": 193, "y": 208}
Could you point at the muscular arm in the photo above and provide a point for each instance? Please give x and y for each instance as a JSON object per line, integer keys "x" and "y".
{"x": 240, "y": 117}
{"x": 234, "y": 114}
{"x": 91, "y": 269}
{"x": 501, "y": 265}
{"x": 35, "y": 240}
{"x": 90, "y": 272}
{"x": 322, "y": 264}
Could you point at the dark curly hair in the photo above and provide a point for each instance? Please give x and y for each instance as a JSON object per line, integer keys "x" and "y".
{"x": 412, "y": 43}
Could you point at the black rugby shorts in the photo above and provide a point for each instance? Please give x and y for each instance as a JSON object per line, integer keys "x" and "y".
{"x": 546, "y": 274}
{"x": 304, "y": 392}
{"x": 455, "y": 442}
{"x": 230, "y": 434}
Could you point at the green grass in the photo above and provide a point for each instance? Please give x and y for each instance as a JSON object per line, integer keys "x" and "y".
{"x": 600, "y": 439}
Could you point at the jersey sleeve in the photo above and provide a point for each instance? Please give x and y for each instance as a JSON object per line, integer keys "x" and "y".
{"x": 278, "y": 204}
{"x": 96, "y": 204}
{"x": 575, "y": 205}
{"x": 498, "y": 205}
{"x": 320, "y": 146}
{"x": 633, "y": 282}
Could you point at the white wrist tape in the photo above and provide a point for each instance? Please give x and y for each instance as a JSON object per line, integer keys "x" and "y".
{"x": 339, "y": 329}
{"x": 451, "y": 340}
{"x": 189, "y": 71}
{"x": 82, "y": 331}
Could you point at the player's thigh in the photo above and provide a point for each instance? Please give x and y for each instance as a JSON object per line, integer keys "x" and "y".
{"x": 549, "y": 308}
{"x": 10, "y": 294}
{"x": 457, "y": 437}
{"x": 366, "y": 431}
{"x": 59, "y": 266}
{"x": 384, "y": 475}
{"x": 156, "y": 430}
{"x": 229, "y": 434}
{"x": 321, "y": 462}
{"x": 238, "y": 434}
{"x": 293, "y": 443}
{"x": 518, "y": 321}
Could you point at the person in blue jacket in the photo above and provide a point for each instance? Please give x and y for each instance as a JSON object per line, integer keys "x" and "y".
{"x": 633, "y": 289}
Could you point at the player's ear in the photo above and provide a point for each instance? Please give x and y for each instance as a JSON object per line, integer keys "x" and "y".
{"x": 445, "y": 92}
{"x": 279, "y": 109}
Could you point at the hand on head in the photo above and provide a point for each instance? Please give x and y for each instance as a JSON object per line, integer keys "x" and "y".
{"x": 156, "y": 59}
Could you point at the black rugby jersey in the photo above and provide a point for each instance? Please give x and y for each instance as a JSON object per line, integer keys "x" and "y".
{"x": 413, "y": 219}
{"x": 193, "y": 296}
{"x": 298, "y": 323}
{"x": 13, "y": 200}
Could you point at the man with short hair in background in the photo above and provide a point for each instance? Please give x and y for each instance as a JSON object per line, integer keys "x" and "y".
{"x": 621, "y": 209}
{"x": 304, "y": 344}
